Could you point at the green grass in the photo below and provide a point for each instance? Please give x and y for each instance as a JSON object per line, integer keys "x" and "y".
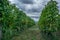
{"x": 29, "y": 34}
{"x": 32, "y": 33}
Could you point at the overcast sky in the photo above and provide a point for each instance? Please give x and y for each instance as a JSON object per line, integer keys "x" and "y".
{"x": 32, "y": 8}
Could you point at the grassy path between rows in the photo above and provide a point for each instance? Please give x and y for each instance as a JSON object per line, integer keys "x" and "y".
{"x": 29, "y": 34}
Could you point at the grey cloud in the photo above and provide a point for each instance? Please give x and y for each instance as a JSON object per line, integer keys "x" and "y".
{"x": 27, "y": 1}
{"x": 22, "y": 7}
{"x": 44, "y": 2}
{"x": 22, "y": 4}
{"x": 34, "y": 10}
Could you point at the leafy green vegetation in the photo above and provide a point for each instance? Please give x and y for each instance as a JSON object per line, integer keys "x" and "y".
{"x": 48, "y": 22}
{"x": 49, "y": 17}
{"x": 14, "y": 21}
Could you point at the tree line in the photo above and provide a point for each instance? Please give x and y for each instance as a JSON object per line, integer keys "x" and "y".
{"x": 49, "y": 21}
{"x": 13, "y": 20}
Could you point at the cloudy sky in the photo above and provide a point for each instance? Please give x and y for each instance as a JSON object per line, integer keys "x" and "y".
{"x": 32, "y": 8}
